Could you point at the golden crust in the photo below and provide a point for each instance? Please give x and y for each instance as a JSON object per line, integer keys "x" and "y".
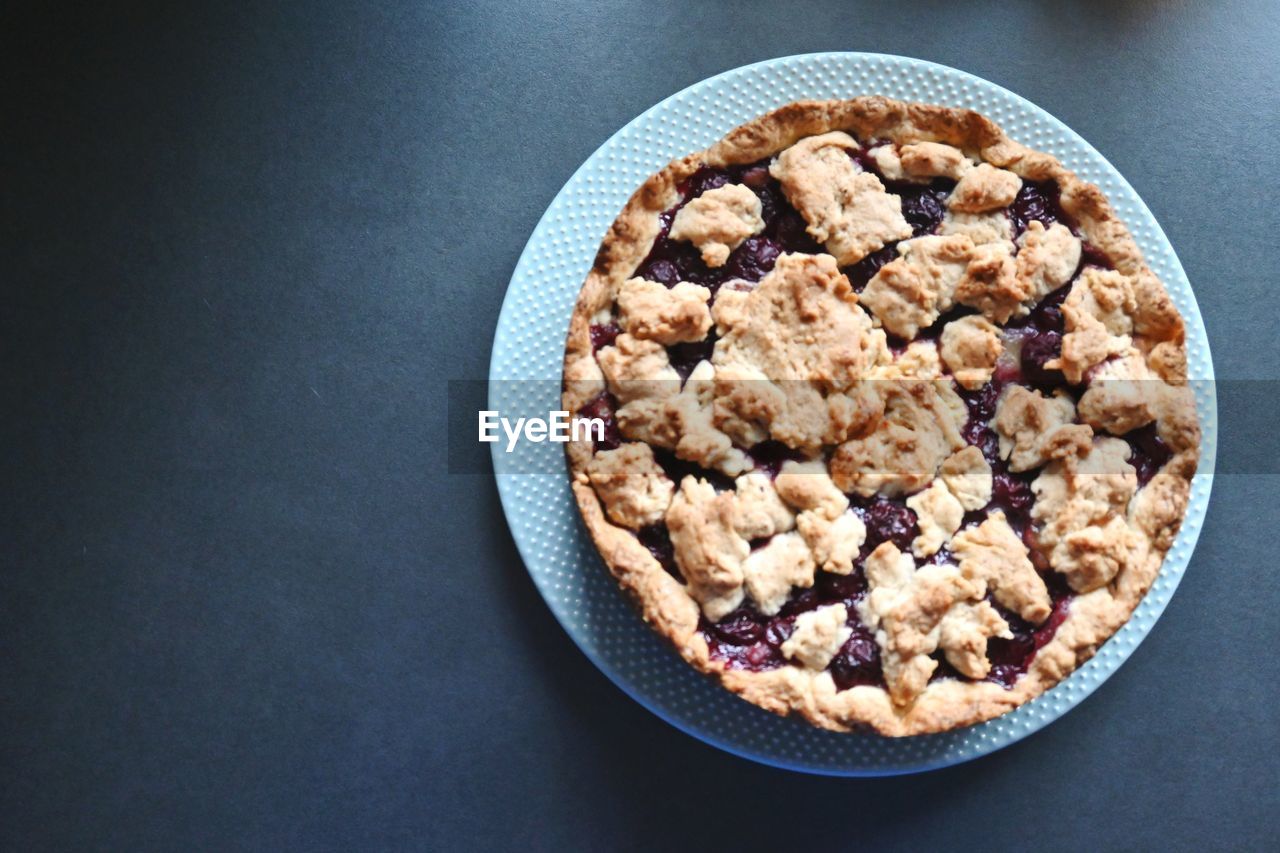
{"x": 1092, "y": 618}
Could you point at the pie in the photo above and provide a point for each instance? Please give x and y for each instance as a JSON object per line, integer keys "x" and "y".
{"x": 896, "y": 422}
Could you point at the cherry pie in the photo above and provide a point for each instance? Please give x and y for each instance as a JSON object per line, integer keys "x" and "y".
{"x": 897, "y": 423}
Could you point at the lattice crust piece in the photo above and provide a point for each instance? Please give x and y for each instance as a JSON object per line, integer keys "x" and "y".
{"x": 846, "y": 208}
{"x": 861, "y": 395}
{"x": 718, "y": 221}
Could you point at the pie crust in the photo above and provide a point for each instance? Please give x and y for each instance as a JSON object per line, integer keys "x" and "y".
{"x": 934, "y": 600}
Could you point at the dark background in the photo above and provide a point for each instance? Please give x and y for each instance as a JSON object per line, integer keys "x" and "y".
{"x": 242, "y": 602}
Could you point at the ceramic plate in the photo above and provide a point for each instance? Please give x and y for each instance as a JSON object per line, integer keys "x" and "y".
{"x": 525, "y": 380}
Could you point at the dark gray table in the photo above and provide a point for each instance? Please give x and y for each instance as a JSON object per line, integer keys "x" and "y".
{"x": 242, "y": 601}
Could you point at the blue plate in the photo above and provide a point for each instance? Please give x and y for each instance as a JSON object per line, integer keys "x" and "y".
{"x": 525, "y": 379}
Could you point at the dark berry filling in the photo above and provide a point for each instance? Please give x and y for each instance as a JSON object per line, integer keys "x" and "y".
{"x": 887, "y": 520}
{"x": 685, "y": 357}
{"x": 789, "y": 229}
{"x": 1149, "y": 452}
{"x": 603, "y": 407}
{"x": 747, "y": 639}
{"x": 677, "y": 469}
{"x": 743, "y": 627}
{"x": 980, "y": 435}
{"x": 863, "y": 157}
{"x": 757, "y": 176}
{"x": 1011, "y": 658}
{"x": 858, "y": 661}
{"x": 1046, "y": 316}
{"x": 982, "y": 402}
{"x": 603, "y": 335}
{"x": 768, "y": 456}
{"x": 865, "y": 270}
{"x": 1012, "y": 493}
{"x": 982, "y": 408}
{"x": 1037, "y": 338}
{"x": 672, "y": 261}
{"x": 802, "y": 602}
{"x": 932, "y": 332}
{"x": 923, "y": 206}
{"x": 1037, "y": 201}
{"x": 703, "y": 180}
{"x": 1092, "y": 256}
{"x": 657, "y": 539}
{"x": 754, "y": 259}
{"x": 847, "y": 588}
{"x": 662, "y": 268}
{"x": 1037, "y": 349}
